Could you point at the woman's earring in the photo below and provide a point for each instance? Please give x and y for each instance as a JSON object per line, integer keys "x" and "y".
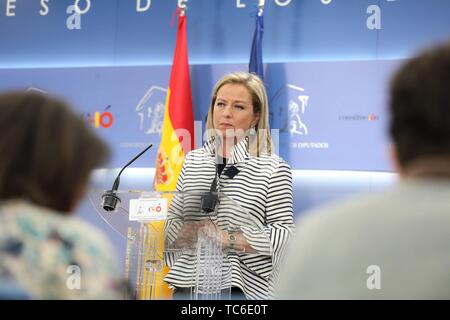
{"x": 252, "y": 131}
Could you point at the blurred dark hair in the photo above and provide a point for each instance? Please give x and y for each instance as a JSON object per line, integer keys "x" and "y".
{"x": 420, "y": 106}
{"x": 46, "y": 151}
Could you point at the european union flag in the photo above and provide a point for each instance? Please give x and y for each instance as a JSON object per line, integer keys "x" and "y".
{"x": 256, "y": 64}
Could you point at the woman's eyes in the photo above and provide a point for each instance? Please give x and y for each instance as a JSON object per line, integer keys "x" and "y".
{"x": 237, "y": 106}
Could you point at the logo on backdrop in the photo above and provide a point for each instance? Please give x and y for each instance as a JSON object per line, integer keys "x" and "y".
{"x": 99, "y": 119}
{"x": 290, "y": 118}
{"x": 290, "y": 105}
{"x": 150, "y": 110}
{"x": 297, "y": 108}
{"x": 359, "y": 117}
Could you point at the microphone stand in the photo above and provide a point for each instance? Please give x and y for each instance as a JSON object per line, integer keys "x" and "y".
{"x": 110, "y": 198}
{"x": 209, "y": 200}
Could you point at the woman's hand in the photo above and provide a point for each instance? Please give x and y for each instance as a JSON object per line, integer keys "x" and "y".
{"x": 188, "y": 235}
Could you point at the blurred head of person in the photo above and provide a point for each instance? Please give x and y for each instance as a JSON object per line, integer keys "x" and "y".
{"x": 47, "y": 152}
{"x": 420, "y": 114}
{"x": 239, "y": 108}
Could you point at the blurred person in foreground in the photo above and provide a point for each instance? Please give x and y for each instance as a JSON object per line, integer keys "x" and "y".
{"x": 393, "y": 245}
{"x": 46, "y": 155}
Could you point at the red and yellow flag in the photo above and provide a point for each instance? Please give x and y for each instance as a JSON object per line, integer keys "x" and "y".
{"x": 177, "y": 140}
{"x": 178, "y": 127}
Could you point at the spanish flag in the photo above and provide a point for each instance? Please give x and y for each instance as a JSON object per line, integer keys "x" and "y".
{"x": 177, "y": 140}
{"x": 178, "y": 127}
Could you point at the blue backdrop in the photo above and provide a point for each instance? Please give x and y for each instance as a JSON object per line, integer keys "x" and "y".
{"x": 327, "y": 66}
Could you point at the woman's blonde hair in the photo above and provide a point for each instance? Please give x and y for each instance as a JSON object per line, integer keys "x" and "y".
{"x": 259, "y": 140}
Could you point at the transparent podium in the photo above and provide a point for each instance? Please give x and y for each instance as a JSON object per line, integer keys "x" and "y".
{"x": 190, "y": 240}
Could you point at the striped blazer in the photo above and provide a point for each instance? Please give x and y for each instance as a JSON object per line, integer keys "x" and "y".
{"x": 263, "y": 187}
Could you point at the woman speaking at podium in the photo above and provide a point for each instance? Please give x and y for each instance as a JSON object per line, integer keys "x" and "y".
{"x": 238, "y": 161}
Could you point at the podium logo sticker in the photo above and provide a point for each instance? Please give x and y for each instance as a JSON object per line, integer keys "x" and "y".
{"x": 148, "y": 209}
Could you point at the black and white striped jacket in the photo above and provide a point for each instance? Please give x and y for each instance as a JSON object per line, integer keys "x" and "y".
{"x": 263, "y": 187}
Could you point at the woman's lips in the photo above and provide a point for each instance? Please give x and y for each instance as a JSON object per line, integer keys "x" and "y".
{"x": 226, "y": 125}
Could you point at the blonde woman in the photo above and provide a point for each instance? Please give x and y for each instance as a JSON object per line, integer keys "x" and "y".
{"x": 238, "y": 157}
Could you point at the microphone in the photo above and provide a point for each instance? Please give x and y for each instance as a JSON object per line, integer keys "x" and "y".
{"x": 110, "y": 198}
{"x": 210, "y": 199}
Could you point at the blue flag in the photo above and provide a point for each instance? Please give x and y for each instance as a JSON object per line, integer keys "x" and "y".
{"x": 256, "y": 64}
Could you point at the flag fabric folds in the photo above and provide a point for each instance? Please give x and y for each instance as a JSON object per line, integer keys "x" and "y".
{"x": 256, "y": 61}
{"x": 177, "y": 139}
